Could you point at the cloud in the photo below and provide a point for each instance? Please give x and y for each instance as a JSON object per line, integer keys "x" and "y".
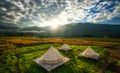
{"x": 105, "y": 12}
{"x": 45, "y": 12}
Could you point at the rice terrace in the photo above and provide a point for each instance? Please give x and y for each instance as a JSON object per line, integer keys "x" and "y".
{"x": 17, "y": 54}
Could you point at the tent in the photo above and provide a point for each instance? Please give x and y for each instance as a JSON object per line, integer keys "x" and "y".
{"x": 52, "y": 56}
{"x": 90, "y": 53}
{"x": 65, "y": 47}
{"x": 51, "y": 59}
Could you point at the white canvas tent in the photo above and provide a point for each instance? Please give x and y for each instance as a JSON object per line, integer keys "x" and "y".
{"x": 90, "y": 53}
{"x": 52, "y": 56}
{"x": 51, "y": 59}
{"x": 65, "y": 47}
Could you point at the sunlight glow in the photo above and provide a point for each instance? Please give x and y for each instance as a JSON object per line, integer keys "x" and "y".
{"x": 55, "y": 24}
{"x": 55, "y": 27}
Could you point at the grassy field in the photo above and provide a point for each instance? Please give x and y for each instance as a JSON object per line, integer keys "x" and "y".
{"x": 17, "y": 54}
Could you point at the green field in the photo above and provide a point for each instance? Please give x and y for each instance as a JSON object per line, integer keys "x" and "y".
{"x": 19, "y": 58}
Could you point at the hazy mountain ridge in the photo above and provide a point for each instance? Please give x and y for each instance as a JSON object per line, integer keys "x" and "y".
{"x": 72, "y": 30}
{"x": 93, "y": 30}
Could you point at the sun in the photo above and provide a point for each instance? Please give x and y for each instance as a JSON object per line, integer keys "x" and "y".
{"x": 54, "y": 24}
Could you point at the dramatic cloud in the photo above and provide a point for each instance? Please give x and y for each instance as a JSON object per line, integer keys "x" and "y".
{"x": 106, "y": 10}
{"x": 51, "y": 12}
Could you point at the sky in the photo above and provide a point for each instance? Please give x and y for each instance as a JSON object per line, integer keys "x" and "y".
{"x": 24, "y": 13}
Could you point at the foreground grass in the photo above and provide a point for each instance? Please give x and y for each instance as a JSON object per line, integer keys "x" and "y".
{"x": 21, "y": 60}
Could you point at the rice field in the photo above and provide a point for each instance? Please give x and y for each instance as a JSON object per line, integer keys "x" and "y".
{"x": 18, "y": 58}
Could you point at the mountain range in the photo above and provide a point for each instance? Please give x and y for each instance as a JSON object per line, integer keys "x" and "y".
{"x": 69, "y": 30}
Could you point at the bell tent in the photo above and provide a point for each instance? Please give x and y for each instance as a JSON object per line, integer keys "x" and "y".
{"x": 65, "y": 47}
{"x": 51, "y": 59}
{"x": 90, "y": 53}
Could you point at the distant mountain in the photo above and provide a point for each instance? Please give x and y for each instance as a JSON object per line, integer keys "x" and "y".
{"x": 94, "y": 30}
{"x": 8, "y": 28}
{"x": 85, "y": 30}
{"x": 30, "y": 28}
{"x": 72, "y": 30}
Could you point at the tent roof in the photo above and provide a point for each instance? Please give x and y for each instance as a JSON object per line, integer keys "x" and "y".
{"x": 52, "y": 55}
{"x": 90, "y": 53}
{"x": 65, "y": 47}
